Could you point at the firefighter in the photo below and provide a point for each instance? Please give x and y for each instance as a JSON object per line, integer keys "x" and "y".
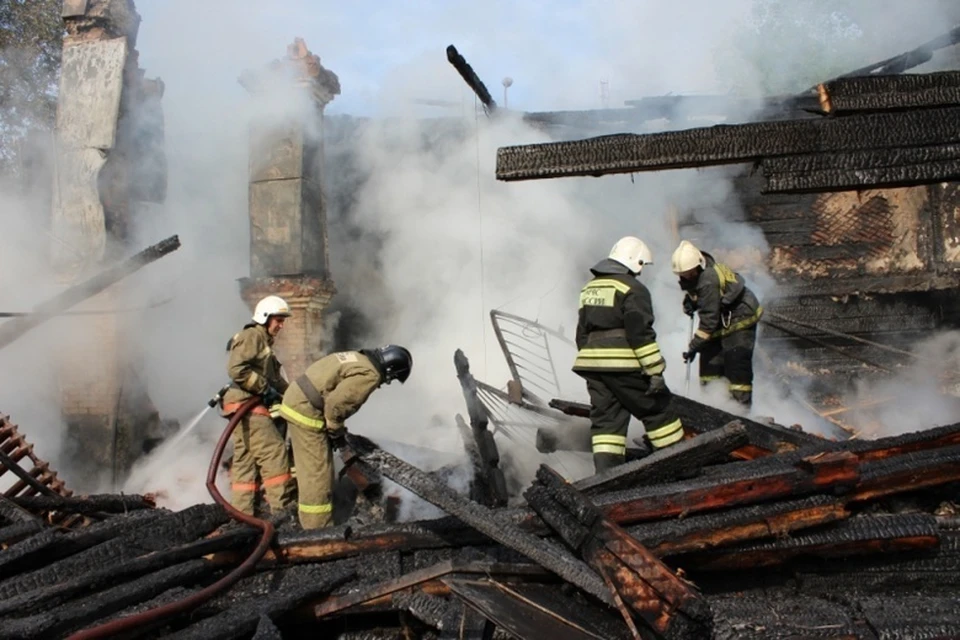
{"x": 316, "y": 406}
{"x": 258, "y": 448}
{"x": 619, "y": 358}
{"x": 728, "y": 314}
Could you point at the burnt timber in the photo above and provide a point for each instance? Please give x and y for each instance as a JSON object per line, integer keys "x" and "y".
{"x": 616, "y": 562}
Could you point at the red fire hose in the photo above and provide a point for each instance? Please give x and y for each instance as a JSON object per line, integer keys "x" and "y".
{"x": 181, "y": 606}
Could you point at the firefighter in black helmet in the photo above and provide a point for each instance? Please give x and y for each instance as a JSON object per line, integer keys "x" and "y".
{"x": 619, "y": 357}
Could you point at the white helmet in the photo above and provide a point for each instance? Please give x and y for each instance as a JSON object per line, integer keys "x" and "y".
{"x": 687, "y": 257}
{"x": 271, "y": 306}
{"x": 632, "y": 253}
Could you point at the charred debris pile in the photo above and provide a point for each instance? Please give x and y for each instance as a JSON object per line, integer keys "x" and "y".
{"x": 744, "y": 530}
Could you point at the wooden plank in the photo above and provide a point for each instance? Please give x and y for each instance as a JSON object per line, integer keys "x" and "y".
{"x": 829, "y": 180}
{"x": 876, "y": 92}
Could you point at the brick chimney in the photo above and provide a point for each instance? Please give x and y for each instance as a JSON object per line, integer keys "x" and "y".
{"x": 287, "y": 208}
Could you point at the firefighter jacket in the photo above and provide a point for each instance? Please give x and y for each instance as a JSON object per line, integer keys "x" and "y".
{"x": 252, "y": 366}
{"x": 342, "y": 381}
{"x": 722, "y": 300}
{"x": 615, "y": 329}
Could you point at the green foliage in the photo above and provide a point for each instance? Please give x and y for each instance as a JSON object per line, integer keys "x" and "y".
{"x": 31, "y": 37}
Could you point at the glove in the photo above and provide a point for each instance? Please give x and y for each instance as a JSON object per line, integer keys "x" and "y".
{"x": 688, "y": 357}
{"x": 689, "y": 306}
{"x": 338, "y": 438}
{"x": 271, "y": 397}
{"x": 657, "y": 386}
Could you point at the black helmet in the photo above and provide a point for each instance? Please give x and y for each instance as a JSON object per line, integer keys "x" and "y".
{"x": 397, "y": 363}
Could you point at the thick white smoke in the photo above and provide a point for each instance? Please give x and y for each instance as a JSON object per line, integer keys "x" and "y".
{"x": 434, "y": 241}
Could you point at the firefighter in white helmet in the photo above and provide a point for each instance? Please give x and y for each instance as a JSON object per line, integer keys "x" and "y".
{"x": 259, "y": 451}
{"x": 728, "y": 314}
{"x": 619, "y": 358}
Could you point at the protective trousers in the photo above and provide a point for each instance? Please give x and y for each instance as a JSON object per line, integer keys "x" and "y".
{"x": 258, "y": 450}
{"x": 731, "y": 357}
{"x": 614, "y": 397}
{"x": 314, "y": 459}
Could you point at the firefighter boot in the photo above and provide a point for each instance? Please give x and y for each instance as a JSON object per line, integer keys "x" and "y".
{"x": 604, "y": 461}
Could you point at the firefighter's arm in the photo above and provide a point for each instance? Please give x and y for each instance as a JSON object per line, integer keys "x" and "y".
{"x": 708, "y": 305}
{"x": 348, "y": 396}
{"x": 638, "y": 323}
{"x": 276, "y": 379}
{"x": 246, "y": 349}
{"x": 581, "y": 337}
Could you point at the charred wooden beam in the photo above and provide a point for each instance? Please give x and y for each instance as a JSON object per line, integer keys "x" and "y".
{"x": 713, "y": 530}
{"x": 528, "y": 612}
{"x": 670, "y": 463}
{"x": 731, "y": 485}
{"x": 855, "y": 536}
{"x": 107, "y": 503}
{"x": 726, "y": 144}
{"x": 858, "y": 160}
{"x": 783, "y": 615}
{"x": 12, "y": 512}
{"x": 117, "y": 540}
{"x": 892, "y": 446}
{"x": 440, "y": 613}
{"x": 484, "y": 520}
{"x": 890, "y": 91}
{"x": 492, "y": 479}
{"x": 859, "y": 179}
{"x": 471, "y": 78}
{"x": 29, "y": 553}
{"x": 643, "y": 583}
{"x": 84, "y": 611}
{"x": 908, "y": 472}
{"x": 12, "y": 329}
{"x": 16, "y": 532}
{"x": 303, "y": 584}
{"x": 56, "y": 595}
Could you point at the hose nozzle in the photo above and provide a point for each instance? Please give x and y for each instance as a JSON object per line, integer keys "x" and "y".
{"x": 215, "y": 400}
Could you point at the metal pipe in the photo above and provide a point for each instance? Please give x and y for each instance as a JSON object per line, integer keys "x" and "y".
{"x": 182, "y": 606}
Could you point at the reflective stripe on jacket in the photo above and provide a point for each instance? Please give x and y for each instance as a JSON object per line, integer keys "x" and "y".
{"x": 615, "y": 328}
{"x": 345, "y": 380}
{"x": 724, "y": 302}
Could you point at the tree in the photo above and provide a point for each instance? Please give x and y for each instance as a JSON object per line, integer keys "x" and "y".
{"x": 31, "y": 37}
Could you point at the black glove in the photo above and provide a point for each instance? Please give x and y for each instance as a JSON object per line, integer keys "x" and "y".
{"x": 657, "y": 386}
{"x": 688, "y": 357}
{"x": 271, "y": 397}
{"x": 689, "y": 306}
{"x": 338, "y": 438}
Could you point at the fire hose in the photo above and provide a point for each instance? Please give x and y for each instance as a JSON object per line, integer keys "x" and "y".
{"x": 182, "y": 606}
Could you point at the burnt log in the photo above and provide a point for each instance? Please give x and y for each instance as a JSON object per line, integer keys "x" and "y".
{"x": 638, "y": 579}
{"x": 29, "y": 553}
{"x": 491, "y": 478}
{"x": 84, "y": 611}
{"x": 484, "y": 520}
{"x": 471, "y": 78}
{"x": 107, "y": 503}
{"x": 11, "y": 512}
{"x": 828, "y": 180}
{"x": 726, "y": 144}
{"x": 13, "y": 329}
{"x": 440, "y": 613}
{"x": 669, "y": 463}
{"x": 856, "y": 160}
{"x": 909, "y": 616}
{"x": 15, "y": 532}
{"x": 119, "y": 539}
{"x": 908, "y": 472}
{"x": 762, "y": 616}
{"x": 55, "y": 595}
{"x": 732, "y": 485}
{"x": 856, "y": 536}
{"x": 894, "y": 91}
{"x": 301, "y": 584}
{"x": 724, "y": 528}
{"x": 527, "y": 611}
{"x": 266, "y": 630}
